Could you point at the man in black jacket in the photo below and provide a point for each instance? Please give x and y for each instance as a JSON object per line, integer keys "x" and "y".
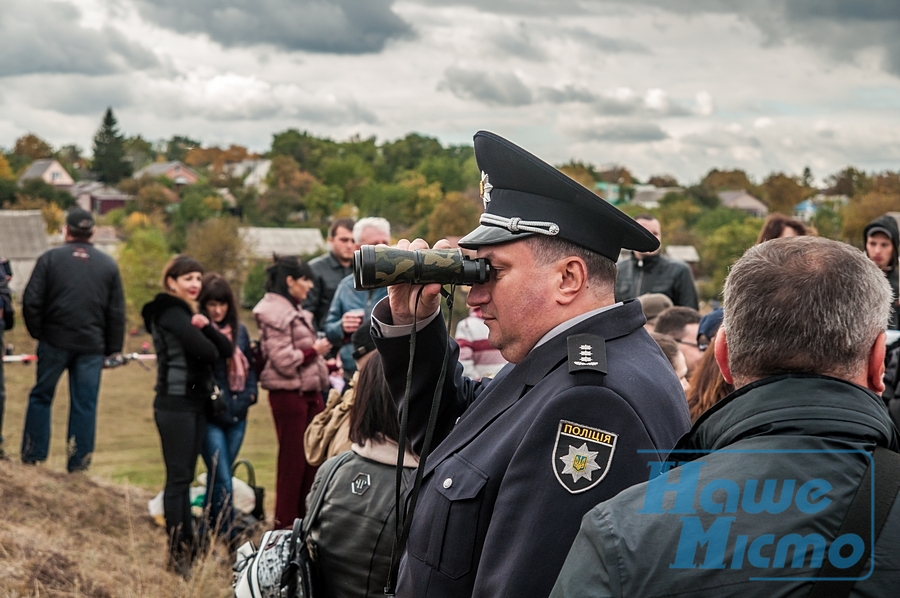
{"x": 882, "y": 238}
{"x": 330, "y": 269}
{"x": 650, "y": 272}
{"x": 766, "y": 477}
{"x": 75, "y": 307}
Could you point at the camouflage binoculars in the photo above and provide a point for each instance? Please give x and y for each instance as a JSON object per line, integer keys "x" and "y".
{"x": 381, "y": 266}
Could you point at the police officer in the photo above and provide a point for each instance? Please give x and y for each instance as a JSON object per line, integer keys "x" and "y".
{"x": 518, "y": 460}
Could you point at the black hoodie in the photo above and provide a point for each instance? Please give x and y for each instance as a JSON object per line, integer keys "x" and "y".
{"x": 889, "y": 224}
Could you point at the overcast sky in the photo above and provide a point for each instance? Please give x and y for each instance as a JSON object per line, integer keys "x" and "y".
{"x": 660, "y": 86}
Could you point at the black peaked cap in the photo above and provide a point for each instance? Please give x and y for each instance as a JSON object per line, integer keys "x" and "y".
{"x": 524, "y": 195}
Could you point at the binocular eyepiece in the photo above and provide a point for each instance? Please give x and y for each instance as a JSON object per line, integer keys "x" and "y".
{"x": 381, "y": 266}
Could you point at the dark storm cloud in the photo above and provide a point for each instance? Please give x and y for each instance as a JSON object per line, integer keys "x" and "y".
{"x": 494, "y": 89}
{"x": 77, "y": 94}
{"x": 622, "y": 132}
{"x": 328, "y": 26}
{"x": 41, "y": 37}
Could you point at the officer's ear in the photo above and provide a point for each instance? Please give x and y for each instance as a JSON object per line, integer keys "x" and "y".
{"x": 721, "y": 348}
{"x": 875, "y": 365}
{"x": 572, "y": 272}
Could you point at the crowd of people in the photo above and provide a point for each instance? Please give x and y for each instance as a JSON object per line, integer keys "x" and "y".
{"x": 588, "y": 431}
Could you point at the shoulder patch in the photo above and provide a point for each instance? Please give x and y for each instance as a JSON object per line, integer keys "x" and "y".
{"x": 582, "y": 455}
{"x": 587, "y": 352}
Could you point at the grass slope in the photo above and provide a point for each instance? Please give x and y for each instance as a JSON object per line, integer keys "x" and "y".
{"x": 91, "y": 535}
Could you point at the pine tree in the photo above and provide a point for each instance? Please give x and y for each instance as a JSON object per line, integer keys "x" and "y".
{"x": 109, "y": 151}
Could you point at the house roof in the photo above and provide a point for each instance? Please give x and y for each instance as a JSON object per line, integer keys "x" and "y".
{"x": 36, "y": 169}
{"x": 684, "y": 253}
{"x": 23, "y": 234}
{"x": 161, "y": 168}
{"x": 263, "y": 242}
{"x": 741, "y": 200}
{"x": 98, "y": 190}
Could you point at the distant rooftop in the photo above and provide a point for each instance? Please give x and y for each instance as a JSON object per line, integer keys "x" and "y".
{"x": 263, "y": 242}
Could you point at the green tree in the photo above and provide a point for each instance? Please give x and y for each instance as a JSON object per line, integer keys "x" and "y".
{"x": 109, "y": 151}
{"x": 138, "y": 151}
{"x": 782, "y": 193}
{"x": 198, "y": 203}
{"x": 308, "y": 151}
{"x": 141, "y": 262}
{"x": 39, "y": 189}
{"x": 662, "y": 180}
{"x": 727, "y": 180}
{"x": 218, "y": 246}
{"x": 828, "y": 220}
{"x": 722, "y": 248}
{"x": 454, "y": 216}
{"x": 406, "y": 154}
{"x": 848, "y": 181}
{"x": 153, "y": 198}
{"x": 178, "y": 146}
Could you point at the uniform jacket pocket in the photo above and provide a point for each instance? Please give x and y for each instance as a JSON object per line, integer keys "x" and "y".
{"x": 448, "y": 540}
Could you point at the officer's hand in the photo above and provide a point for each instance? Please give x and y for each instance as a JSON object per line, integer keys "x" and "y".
{"x": 403, "y": 296}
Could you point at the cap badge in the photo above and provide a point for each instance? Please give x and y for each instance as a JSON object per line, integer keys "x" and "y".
{"x": 486, "y": 188}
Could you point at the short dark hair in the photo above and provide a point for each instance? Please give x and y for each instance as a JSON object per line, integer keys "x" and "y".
{"x": 282, "y": 267}
{"x": 668, "y": 345}
{"x": 216, "y": 288}
{"x": 601, "y": 271}
{"x": 341, "y": 223}
{"x": 373, "y": 415}
{"x": 673, "y": 320}
{"x": 179, "y": 266}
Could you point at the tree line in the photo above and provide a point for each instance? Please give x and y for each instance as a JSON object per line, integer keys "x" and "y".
{"x": 422, "y": 187}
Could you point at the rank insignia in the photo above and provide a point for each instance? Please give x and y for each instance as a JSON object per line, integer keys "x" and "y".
{"x": 582, "y": 455}
{"x": 587, "y": 352}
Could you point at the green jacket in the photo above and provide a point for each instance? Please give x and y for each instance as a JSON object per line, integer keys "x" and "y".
{"x": 772, "y": 467}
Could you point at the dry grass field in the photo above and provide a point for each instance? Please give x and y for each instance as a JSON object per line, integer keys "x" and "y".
{"x": 91, "y": 535}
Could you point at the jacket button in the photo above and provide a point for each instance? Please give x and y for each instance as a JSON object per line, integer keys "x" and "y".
{"x": 448, "y": 482}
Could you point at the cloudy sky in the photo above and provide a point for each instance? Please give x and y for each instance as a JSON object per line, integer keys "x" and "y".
{"x": 660, "y": 86}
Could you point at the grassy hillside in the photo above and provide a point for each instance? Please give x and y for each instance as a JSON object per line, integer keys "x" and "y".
{"x": 91, "y": 535}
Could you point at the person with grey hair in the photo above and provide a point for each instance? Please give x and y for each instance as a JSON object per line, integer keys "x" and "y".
{"x": 350, "y": 307}
{"x": 756, "y": 499}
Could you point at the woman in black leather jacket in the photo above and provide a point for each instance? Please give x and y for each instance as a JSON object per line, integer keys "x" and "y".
{"x": 187, "y": 347}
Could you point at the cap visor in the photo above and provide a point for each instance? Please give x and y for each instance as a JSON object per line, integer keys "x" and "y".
{"x": 490, "y": 235}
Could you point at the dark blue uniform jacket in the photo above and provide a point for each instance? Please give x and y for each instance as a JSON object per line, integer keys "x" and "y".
{"x": 519, "y": 460}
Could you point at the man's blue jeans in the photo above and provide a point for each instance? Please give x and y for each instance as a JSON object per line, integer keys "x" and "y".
{"x": 220, "y": 449}
{"x": 84, "y": 384}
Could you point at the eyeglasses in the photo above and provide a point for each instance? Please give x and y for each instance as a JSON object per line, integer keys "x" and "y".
{"x": 700, "y": 346}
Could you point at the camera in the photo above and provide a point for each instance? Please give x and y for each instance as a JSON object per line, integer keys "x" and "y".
{"x": 381, "y": 266}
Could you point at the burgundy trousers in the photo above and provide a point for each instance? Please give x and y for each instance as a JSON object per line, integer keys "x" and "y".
{"x": 292, "y": 412}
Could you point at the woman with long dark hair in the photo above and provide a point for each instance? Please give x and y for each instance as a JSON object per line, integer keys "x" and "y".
{"x": 187, "y": 346}
{"x": 295, "y": 375}
{"x": 353, "y": 532}
{"x": 236, "y": 380}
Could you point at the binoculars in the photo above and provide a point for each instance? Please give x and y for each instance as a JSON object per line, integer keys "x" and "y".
{"x": 381, "y": 266}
